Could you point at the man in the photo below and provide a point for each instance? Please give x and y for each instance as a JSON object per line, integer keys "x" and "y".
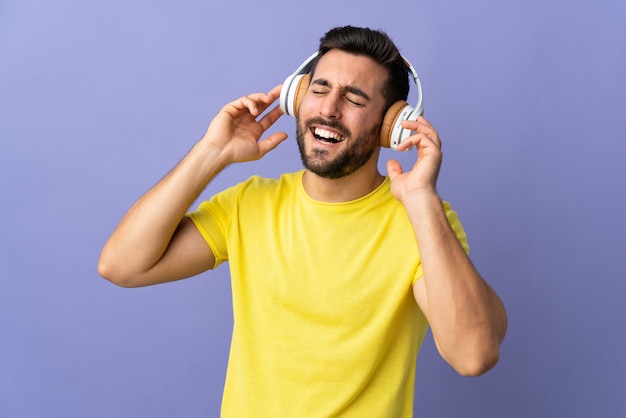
{"x": 336, "y": 270}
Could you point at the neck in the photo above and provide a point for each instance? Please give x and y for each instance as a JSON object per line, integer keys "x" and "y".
{"x": 345, "y": 189}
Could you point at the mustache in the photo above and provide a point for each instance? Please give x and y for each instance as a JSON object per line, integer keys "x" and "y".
{"x": 330, "y": 123}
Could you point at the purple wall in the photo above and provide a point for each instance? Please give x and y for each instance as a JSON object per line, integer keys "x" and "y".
{"x": 98, "y": 100}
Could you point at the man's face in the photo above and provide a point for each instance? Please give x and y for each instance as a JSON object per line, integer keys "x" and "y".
{"x": 339, "y": 120}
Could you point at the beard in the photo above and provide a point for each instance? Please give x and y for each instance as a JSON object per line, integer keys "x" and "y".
{"x": 356, "y": 153}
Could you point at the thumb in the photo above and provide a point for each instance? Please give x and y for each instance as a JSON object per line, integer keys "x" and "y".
{"x": 394, "y": 169}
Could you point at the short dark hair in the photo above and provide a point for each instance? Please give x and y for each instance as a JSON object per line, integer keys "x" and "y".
{"x": 377, "y": 45}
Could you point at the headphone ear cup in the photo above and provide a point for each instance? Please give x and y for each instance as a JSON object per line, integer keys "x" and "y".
{"x": 388, "y": 129}
{"x": 300, "y": 92}
{"x": 293, "y": 91}
{"x": 285, "y": 94}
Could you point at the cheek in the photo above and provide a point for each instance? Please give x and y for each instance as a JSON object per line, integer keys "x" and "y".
{"x": 307, "y": 106}
{"x": 365, "y": 124}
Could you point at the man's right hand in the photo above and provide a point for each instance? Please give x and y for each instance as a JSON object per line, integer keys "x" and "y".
{"x": 236, "y": 132}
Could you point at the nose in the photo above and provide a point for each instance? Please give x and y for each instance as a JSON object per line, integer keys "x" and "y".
{"x": 330, "y": 105}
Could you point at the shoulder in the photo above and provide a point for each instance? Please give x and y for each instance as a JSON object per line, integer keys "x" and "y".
{"x": 254, "y": 189}
{"x": 257, "y": 186}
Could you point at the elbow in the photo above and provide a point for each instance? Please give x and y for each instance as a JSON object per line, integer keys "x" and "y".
{"x": 108, "y": 271}
{"x": 472, "y": 358}
{"x": 482, "y": 353}
{"x": 478, "y": 364}
{"x": 478, "y": 357}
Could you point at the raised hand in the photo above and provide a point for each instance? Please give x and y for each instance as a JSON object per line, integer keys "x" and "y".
{"x": 423, "y": 175}
{"x": 236, "y": 131}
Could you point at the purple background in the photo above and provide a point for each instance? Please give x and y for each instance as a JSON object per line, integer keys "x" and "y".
{"x": 99, "y": 99}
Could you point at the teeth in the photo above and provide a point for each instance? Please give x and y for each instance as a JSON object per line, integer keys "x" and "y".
{"x": 323, "y": 133}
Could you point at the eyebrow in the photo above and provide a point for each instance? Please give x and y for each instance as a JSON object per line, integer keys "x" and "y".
{"x": 349, "y": 89}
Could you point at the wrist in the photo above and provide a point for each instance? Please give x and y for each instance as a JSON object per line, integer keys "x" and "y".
{"x": 209, "y": 157}
{"x": 423, "y": 204}
{"x": 422, "y": 196}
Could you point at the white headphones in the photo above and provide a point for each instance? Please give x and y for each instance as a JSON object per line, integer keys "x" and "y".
{"x": 391, "y": 133}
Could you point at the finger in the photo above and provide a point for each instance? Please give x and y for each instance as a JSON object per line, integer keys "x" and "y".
{"x": 417, "y": 139}
{"x": 256, "y": 103}
{"x": 420, "y": 128}
{"x": 275, "y": 92}
{"x": 270, "y": 118}
{"x": 420, "y": 125}
{"x": 424, "y": 145}
{"x": 394, "y": 169}
{"x": 244, "y": 103}
{"x": 264, "y": 100}
{"x": 425, "y": 121}
{"x": 271, "y": 142}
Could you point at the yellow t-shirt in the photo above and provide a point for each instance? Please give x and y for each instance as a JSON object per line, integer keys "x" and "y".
{"x": 325, "y": 322}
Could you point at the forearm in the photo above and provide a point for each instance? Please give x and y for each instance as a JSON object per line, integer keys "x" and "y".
{"x": 144, "y": 233}
{"x": 467, "y": 318}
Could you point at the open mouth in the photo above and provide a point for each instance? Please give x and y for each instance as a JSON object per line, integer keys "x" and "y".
{"x": 327, "y": 137}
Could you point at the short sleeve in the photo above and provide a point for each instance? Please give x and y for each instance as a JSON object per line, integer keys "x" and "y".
{"x": 213, "y": 218}
{"x": 457, "y": 228}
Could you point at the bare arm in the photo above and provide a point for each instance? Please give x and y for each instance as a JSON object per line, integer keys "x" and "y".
{"x": 154, "y": 242}
{"x": 466, "y": 316}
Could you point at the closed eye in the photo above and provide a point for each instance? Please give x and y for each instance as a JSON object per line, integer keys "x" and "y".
{"x": 320, "y": 86}
{"x": 354, "y": 102}
{"x": 352, "y": 94}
